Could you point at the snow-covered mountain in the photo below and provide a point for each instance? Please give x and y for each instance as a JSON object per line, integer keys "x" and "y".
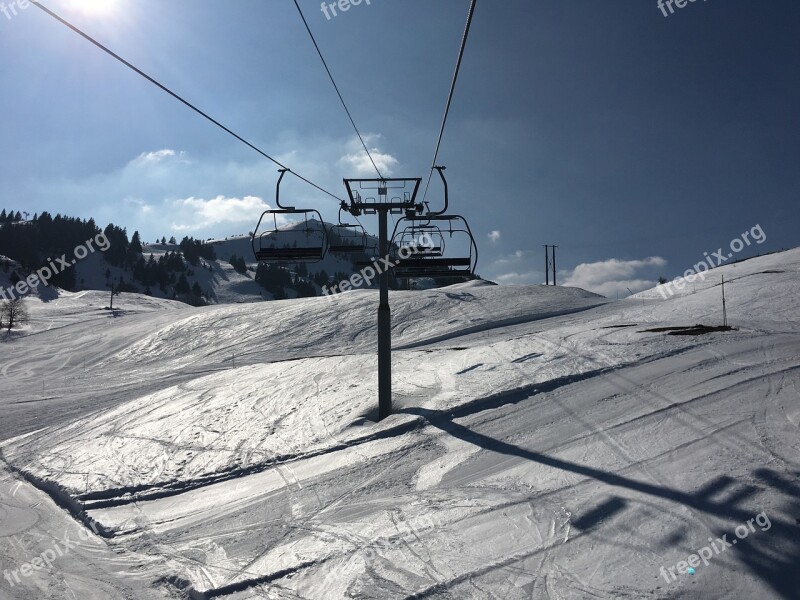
{"x": 218, "y": 280}
{"x": 545, "y": 443}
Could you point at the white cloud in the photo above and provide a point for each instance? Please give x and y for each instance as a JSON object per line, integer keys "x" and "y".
{"x": 357, "y": 159}
{"x": 510, "y": 259}
{"x": 514, "y": 268}
{"x": 613, "y": 277}
{"x": 494, "y": 236}
{"x": 144, "y": 207}
{"x": 196, "y": 213}
{"x": 147, "y": 192}
{"x": 158, "y": 157}
{"x": 515, "y": 278}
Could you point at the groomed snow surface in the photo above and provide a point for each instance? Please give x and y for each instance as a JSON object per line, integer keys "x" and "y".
{"x": 543, "y": 445}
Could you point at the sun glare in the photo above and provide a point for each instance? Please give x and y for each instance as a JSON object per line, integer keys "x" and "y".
{"x": 94, "y": 8}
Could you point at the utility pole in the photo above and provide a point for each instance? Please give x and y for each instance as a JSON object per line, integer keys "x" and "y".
{"x": 546, "y": 264}
{"x": 554, "y": 265}
{"x": 382, "y": 206}
{"x": 549, "y": 265}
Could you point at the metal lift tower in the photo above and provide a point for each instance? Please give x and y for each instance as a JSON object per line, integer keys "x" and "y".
{"x": 384, "y": 197}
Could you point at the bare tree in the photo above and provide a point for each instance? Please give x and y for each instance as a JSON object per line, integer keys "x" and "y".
{"x": 13, "y": 312}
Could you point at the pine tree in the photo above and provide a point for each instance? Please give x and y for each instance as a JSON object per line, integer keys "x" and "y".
{"x": 136, "y": 244}
{"x": 182, "y": 287}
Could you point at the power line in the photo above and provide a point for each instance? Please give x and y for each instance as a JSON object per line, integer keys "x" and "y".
{"x": 177, "y": 97}
{"x": 336, "y": 87}
{"x": 470, "y": 14}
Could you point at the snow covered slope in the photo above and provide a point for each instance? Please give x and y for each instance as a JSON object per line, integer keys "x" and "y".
{"x": 544, "y": 444}
{"x": 195, "y": 351}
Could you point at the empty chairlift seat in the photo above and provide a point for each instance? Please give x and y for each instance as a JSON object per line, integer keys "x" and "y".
{"x": 346, "y": 238}
{"x": 304, "y": 240}
{"x": 442, "y": 246}
{"x": 301, "y": 242}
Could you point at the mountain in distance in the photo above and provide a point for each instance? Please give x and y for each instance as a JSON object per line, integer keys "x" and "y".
{"x": 212, "y": 271}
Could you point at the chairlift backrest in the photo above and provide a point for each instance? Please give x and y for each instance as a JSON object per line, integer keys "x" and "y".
{"x": 306, "y": 243}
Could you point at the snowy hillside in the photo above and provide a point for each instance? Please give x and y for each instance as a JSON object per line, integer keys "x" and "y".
{"x": 218, "y": 280}
{"x": 546, "y": 443}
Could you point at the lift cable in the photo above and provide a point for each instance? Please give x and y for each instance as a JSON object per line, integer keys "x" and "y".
{"x": 336, "y": 87}
{"x": 177, "y": 97}
{"x": 452, "y": 91}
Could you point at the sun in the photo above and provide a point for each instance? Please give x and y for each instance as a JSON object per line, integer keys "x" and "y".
{"x": 94, "y": 8}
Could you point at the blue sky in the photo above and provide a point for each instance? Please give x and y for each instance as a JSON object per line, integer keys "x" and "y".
{"x": 634, "y": 141}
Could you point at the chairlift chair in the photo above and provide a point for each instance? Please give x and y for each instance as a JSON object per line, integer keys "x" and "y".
{"x": 348, "y": 238}
{"x": 456, "y": 260}
{"x": 423, "y": 241}
{"x": 372, "y": 253}
{"x": 306, "y": 244}
{"x": 459, "y": 260}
